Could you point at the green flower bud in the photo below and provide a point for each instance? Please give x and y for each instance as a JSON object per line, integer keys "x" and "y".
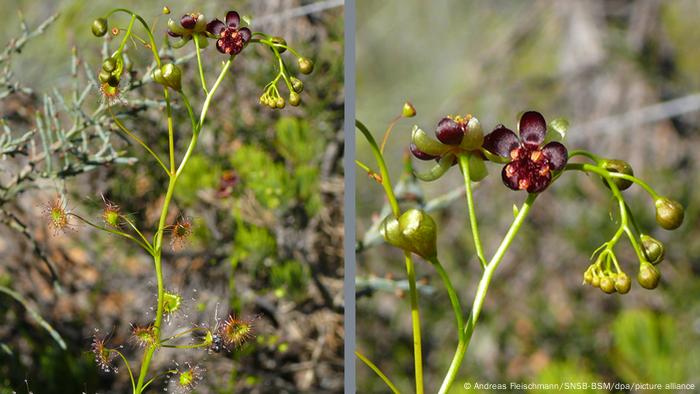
{"x": 619, "y": 166}
{"x": 172, "y": 76}
{"x": 280, "y": 44}
{"x": 297, "y": 85}
{"x": 648, "y": 276}
{"x": 166, "y": 10}
{"x": 653, "y": 249}
{"x": 279, "y": 102}
{"x": 391, "y": 232}
{"x": 294, "y": 99}
{"x": 306, "y": 65}
{"x": 588, "y": 276}
{"x": 474, "y": 136}
{"x": 157, "y": 75}
{"x": 669, "y": 213}
{"x": 100, "y": 27}
{"x": 421, "y": 232}
{"x": 607, "y": 285}
{"x": 408, "y": 110}
{"x": 623, "y": 283}
{"x": 109, "y": 65}
{"x": 595, "y": 282}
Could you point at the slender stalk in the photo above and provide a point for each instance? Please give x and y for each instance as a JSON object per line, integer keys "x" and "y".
{"x": 481, "y": 293}
{"x": 415, "y": 323}
{"x": 378, "y": 371}
{"x": 410, "y": 269}
{"x": 454, "y": 299}
{"x": 138, "y": 140}
{"x": 128, "y": 368}
{"x": 202, "y": 116}
{"x": 157, "y": 261}
{"x": 199, "y": 65}
{"x": 464, "y": 165}
{"x": 605, "y": 173}
{"x": 146, "y": 247}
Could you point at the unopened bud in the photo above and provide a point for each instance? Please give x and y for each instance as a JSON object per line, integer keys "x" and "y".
{"x": 648, "y": 276}
{"x": 408, "y": 110}
{"x": 619, "y": 166}
{"x": 623, "y": 283}
{"x": 421, "y": 232}
{"x": 99, "y": 27}
{"x": 172, "y": 76}
{"x": 669, "y": 213}
{"x": 653, "y": 249}
{"x": 306, "y": 65}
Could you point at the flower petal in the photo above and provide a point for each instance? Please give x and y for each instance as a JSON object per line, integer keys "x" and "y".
{"x": 220, "y": 45}
{"x": 557, "y": 155}
{"x": 245, "y": 34}
{"x": 233, "y": 19}
{"x": 215, "y": 27}
{"x": 188, "y": 21}
{"x": 511, "y": 181}
{"x": 539, "y": 183}
{"x": 449, "y": 132}
{"x": 501, "y": 141}
{"x": 533, "y": 128}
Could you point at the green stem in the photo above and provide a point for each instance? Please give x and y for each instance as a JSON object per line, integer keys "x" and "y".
{"x": 605, "y": 173}
{"x": 410, "y": 269}
{"x": 454, "y": 299}
{"x": 138, "y": 140}
{"x": 199, "y": 65}
{"x": 386, "y": 182}
{"x": 585, "y": 153}
{"x": 130, "y": 237}
{"x": 202, "y": 116}
{"x": 415, "y": 322}
{"x": 481, "y": 293}
{"x": 158, "y": 245}
{"x": 378, "y": 371}
{"x": 464, "y": 165}
{"x": 131, "y": 375}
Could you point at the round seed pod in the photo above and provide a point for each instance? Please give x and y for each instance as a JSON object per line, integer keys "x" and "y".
{"x": 669, "y": 213}
{"x": 294, "y": 99}
{"x": 99, "y": 27}
{"x": 607, "y": 285}
{"x": 653, "y": 249}
{"x": 648, "y": 276}
{"x": 306, "y": 65}
{"x": 623, "y": 283}
{"x": 622, "y": 167}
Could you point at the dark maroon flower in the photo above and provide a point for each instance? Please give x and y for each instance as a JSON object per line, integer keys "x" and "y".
{"x": 231, "y": 38}
{"x": 531, "y": 164}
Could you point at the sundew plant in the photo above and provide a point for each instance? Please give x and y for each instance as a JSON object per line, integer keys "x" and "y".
{"x": 127, "y": 31}
{"x": 531, "y": 159}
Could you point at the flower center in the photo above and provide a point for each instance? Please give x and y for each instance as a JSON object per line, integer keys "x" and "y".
{"x": 231, "y": 40}
{"x": 529, "y": 169}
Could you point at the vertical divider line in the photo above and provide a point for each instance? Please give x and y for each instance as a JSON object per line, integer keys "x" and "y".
{"x": 349, "y": 197}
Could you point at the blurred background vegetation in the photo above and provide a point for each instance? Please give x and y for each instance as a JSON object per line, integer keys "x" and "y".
{"x": 625, "y": 74}
{"x": 264, "y": 191}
